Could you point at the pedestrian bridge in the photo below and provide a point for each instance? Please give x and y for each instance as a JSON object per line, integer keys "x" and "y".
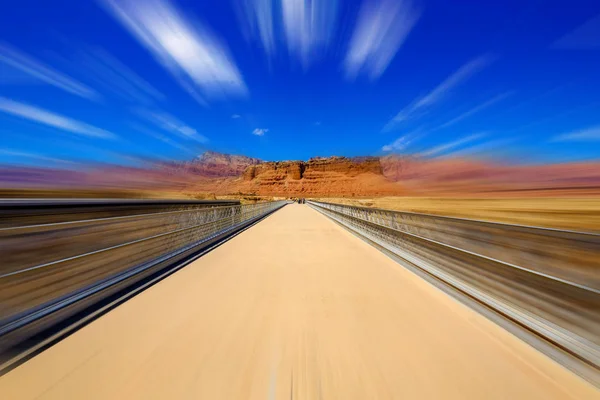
{"x": 294, "y": 307}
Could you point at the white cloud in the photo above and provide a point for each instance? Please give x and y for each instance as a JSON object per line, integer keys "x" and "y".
{"x": 34, "y": 156}
{"x": 159, "y": 136}
{"x": 171, "y": 124}
{"x": 116, "y": 77}
{"x": 441, "y": 91}
{"x": 401, "y": 143}
{"x": 260, "y": 131}
{"x": 381, "y": 30}
{"x": 583, "y": 135}
{"x": 44, "y": 73}
{"x": 584, "y": 37}
{"x": 188, "y": 131}
{"x": 475, "y": 110}
{"x": 236, "y": 116}
{"x": 257, "y": 16}
{"x": 495, "y": 146}
{"x": 449, "y": 146}
{"x": 194, "y": 56}
{"x": 48, "y": 118}
{"x": 458, "y": 77}
{"x": 307, "y": 26}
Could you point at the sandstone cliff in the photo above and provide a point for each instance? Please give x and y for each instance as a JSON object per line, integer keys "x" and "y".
{"x": 318, "y": 176}
{"x": 222, "y": 174}
{"x": 215, "y": 165}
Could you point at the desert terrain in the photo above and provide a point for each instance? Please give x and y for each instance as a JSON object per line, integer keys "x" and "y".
{"x": 552, "y": 212}
{"x": 552, "y": 195}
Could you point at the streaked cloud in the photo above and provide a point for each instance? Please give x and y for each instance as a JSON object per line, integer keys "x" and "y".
{"x": 44, "y": 73}
{"x": 165, "y": 139}
{"x": 458, "y": 77}
{"x": 309, "y": 26}
{"x": 34, "y": 156}
{"x": 260, "y": 131}
{"x": 475, "y": 109}
{"x": 494, "y": 147}
{"x": 306, "y": 27}
{"x": 441, "y": 91}
{"x": 257, "y": 18}
{"x": 584, "y": 37}
{"x": 397, "y": 145}
{"x": 236, "y": 116}
{"x": 112, "y": 75}
{"x": 583, "y": 135}
{"x": 193, "y": 55}
{"x": 381, "y": 29}
{"x": 54, "y": 120}
{"x": 402, "y": 143}
{"x": 437, "y": 150}
{"x": 171, "y": 124}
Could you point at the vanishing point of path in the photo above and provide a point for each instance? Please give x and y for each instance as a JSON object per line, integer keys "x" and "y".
{"x": 295, "y": 307}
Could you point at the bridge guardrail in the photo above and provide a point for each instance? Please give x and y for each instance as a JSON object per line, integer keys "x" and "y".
{"x": 51, "y": 270}
{"x": 545, "y": 280}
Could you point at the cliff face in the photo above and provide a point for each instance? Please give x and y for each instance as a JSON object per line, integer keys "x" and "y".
{"x": 298, "y": 169}
{"x": 217, "y": 165}
{"x": 275, "y": 170}
{"x": 223, "y": 174}
{"x": 343, "y": 165}
{"x": 338, "y": 176}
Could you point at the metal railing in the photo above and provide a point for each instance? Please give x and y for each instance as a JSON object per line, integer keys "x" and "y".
{"x": 545, "y": 280}
{"x": 57, "y": 263}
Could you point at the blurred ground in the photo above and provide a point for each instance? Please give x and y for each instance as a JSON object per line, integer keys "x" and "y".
{"x": 565, "y": 213}
{"x": 295, "y": 307}
{"x": 577, "y": 213}
{"x": 83, "y": 193}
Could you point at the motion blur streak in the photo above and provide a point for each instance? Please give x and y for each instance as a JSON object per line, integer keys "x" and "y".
{"x": 35, "y": 68}
{"x": 306, "y": 199}
{"x": 441, "y": 91}
{"x": 45, "y": 117}
{"x": 116, "y": 77}
{"x": 60, "y": 257}
{"x": 187, "y": 50}
{"x": 381, "y": 29}
{"x": 512, "y": 265}
{"x": 299, "y": 308}
{"x": 307, "y": 26}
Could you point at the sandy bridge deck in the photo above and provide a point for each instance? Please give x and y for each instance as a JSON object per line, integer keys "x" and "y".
{"x": 293, "y": 308}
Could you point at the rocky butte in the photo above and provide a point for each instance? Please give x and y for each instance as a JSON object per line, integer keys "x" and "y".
{"x": 297, "y": 170}
{"x": 223, "y": 174}
{"x": 219, "y": 174}
{"x": 326, "y": 176}
{"x": 211, "y": 164}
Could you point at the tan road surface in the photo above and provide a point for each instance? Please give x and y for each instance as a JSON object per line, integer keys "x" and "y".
{"x": 294, "y": 308}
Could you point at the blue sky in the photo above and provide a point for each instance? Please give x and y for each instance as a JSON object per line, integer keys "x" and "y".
{"x": 116, "y": 80}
